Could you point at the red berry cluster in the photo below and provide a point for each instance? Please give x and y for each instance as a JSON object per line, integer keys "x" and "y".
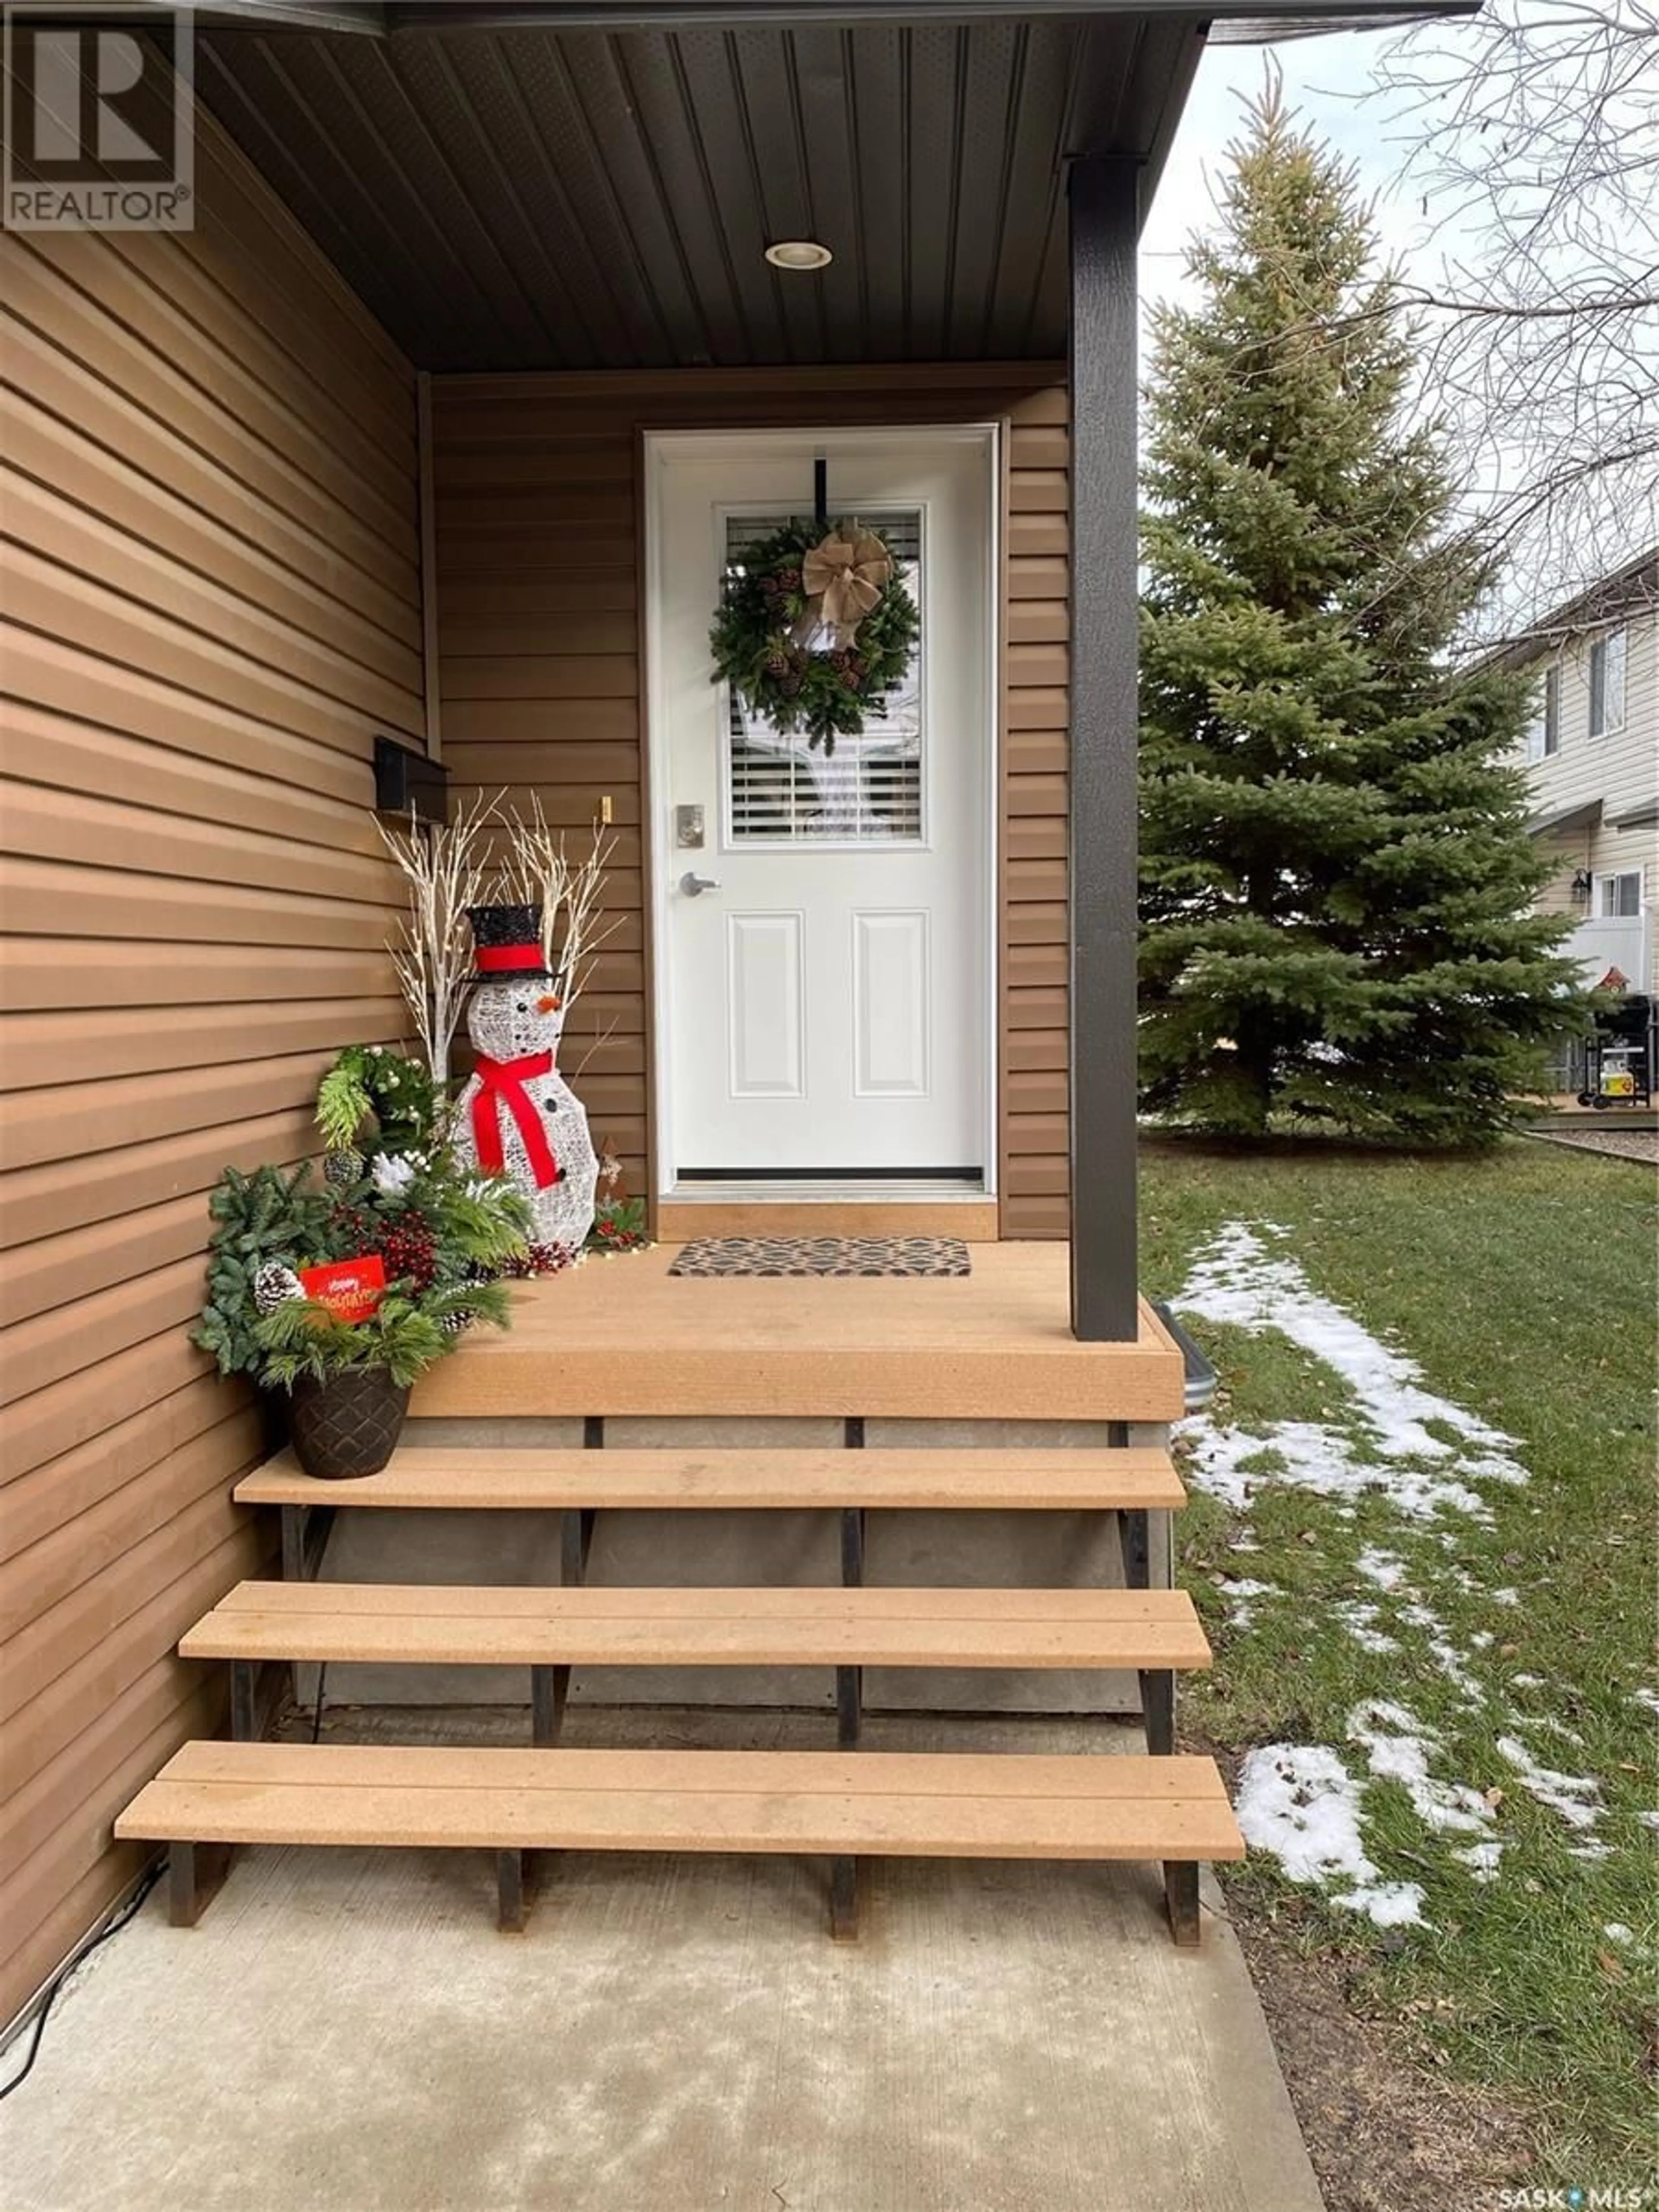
{"x": 410, "y": 1252}
{"x": 618, "y": 1235}
{"x": 539, "y": 1259}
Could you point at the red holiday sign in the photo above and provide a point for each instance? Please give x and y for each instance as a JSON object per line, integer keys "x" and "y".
{"x": 350, "y": 1288}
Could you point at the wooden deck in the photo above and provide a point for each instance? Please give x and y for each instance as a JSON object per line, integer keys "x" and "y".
{"x": 623, "y": 1335}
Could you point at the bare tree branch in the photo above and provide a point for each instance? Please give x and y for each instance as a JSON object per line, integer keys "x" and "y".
{"x": 1531, "y": 136}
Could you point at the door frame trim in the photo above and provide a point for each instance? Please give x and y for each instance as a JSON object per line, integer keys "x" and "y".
{"x": 658, "y": 447}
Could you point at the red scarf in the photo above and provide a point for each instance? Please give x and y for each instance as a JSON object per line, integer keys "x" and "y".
{"x": 501, "y": 1082}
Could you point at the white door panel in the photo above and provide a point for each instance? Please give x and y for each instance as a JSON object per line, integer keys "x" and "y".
{"x": 826, "y": 999}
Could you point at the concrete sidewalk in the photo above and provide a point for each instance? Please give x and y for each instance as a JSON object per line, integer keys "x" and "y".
{"x": 346, "y": 2032}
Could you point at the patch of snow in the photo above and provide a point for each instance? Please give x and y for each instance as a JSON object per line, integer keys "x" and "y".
{"x": 1240, "y": 1610}
{"x": 1299, "y": 1803}
{"x": 1648, "y": 1698}
{"x": 1361, "y": 1620}
{"x": 1481, "y": 1859}
{"x": 1240, "y": 1281}
{"x": 1385, "y": 1569}
{"x": 1504, "y": 1596}
{"x": 1481, "y": 1640}
{"x": 1616, "y": 1932}
{"x": 1390, "y": 1904}
{"x": 1577, "y": 1798}
{"x": 1649, "y": 1820}
{"x": 1225, "y": 1462}
{"x": 1397, "y": 1744}
{"x": 1527, "y": 1681}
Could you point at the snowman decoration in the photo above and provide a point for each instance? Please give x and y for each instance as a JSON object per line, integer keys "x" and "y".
{"x": 517, "y": 1113}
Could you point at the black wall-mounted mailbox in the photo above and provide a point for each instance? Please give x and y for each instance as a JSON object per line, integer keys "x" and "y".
{"x": 407, "y": 782}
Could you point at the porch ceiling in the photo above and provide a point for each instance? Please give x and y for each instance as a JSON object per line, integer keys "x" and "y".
{"x": 536, "y": 196}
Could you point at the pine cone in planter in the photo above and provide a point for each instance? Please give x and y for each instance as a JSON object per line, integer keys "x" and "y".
{"x": 274, "y": 1283}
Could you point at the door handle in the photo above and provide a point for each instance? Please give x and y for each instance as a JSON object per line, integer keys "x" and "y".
{"x": 694, "y": 885}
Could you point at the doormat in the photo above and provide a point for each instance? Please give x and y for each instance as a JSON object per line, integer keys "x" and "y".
{"x": 822, "y": 1255}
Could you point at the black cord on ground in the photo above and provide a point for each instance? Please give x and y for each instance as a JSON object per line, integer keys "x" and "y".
{"x": 317, "y": 1710}
{"x": 69, "y": 1966}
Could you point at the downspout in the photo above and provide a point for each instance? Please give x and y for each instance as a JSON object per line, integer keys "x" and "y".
{"x": 435, "y": 743}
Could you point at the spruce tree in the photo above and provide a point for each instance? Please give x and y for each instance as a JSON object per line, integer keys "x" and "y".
{"x": 1335, "y": 870}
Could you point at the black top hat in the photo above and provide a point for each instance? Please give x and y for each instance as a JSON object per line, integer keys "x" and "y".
{"x": 508, "y": 940}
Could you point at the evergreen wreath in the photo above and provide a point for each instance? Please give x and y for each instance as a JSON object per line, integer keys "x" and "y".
{"x": 769, "y": 614}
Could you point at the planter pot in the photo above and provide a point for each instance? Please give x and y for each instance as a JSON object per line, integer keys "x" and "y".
{"x": 349, "y": 1425}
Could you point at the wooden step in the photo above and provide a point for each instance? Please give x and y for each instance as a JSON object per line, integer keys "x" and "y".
{"x": 1085, "y": 1481}
{"x": 940, "y": 1805}
{"x": 454, "y": 1625}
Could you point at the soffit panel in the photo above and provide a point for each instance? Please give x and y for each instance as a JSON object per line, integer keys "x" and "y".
{"x": 530, "y": 198}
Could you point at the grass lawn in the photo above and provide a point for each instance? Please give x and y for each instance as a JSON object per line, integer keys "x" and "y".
{"x": 1434, "y": 1643}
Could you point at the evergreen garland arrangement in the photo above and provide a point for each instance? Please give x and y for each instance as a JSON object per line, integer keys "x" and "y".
{"x": 770, "y": 615}
{"x": 404, "y": 1334}
{"x": 1336, "y": 875}
{"x": 444, "y": 1241}
{"x": 373, "y": 1082}
{"x": 262, "y": 1220}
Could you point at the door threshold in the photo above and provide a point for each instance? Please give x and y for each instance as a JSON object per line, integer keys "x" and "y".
{"x": 841, "y": 1208}
{"x": 849, "y": 1190}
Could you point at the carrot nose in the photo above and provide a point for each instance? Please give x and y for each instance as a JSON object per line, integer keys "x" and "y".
{"x": 548, "y": 1004}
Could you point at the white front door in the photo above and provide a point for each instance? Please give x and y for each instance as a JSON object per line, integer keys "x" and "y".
{"x": 824, "y": 998}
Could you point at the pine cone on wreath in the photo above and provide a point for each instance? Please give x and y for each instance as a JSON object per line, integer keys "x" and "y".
{"x": 274, "y": 1283}
{"x": 342, "y": 1168}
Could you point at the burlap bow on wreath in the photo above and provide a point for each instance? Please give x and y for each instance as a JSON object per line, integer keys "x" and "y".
{"x": 843, "y": 578}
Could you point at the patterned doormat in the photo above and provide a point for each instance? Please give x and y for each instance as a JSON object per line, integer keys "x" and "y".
{"x": 823, "y": 1255}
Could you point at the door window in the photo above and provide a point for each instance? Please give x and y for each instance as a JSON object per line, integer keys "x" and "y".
{"x": 776, "y": 789}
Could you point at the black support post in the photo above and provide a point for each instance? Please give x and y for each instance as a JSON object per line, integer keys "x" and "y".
{"x": 549, "y": 1689}
{"x": 244, "y": 1720}
{"x": 1181, "y": 1895}
{"x": 511, "y": 1891}
{"x": 1104, "y": 212}
{"x": 194, "y": 1872}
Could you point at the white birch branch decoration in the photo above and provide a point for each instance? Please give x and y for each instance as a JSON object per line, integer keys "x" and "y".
{"x": 571, "y": 896}
{"x": 447, "y": 868}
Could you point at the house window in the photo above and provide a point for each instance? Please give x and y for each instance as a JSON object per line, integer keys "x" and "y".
{"x": 1619, "y": 897}
{"x": 1607, "y": 684}
{"x": 870, "y": 790}
{"x": 1544, "y": 731}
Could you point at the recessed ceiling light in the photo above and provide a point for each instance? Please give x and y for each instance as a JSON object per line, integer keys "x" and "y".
{"x": 798, "y": 253}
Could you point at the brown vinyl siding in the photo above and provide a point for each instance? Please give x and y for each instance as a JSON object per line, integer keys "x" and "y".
{"x": 539, "y": 566}
{"x": 213, "y": 603}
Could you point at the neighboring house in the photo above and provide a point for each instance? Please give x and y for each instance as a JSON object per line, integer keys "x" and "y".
{"x": 1592, "y": 749}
